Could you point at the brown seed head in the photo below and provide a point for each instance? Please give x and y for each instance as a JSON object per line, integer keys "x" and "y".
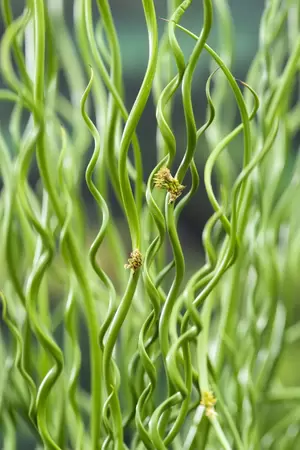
{"x": 134, "y": 261}
{"x": 164, "y": 180}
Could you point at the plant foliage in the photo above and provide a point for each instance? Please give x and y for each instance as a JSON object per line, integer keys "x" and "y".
{"x": 176, "y": 360}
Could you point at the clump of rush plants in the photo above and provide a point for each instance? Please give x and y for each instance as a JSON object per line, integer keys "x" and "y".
{"x": 204, "y": 360}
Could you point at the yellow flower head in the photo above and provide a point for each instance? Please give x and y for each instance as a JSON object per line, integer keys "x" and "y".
{"x": 208, "y": 400}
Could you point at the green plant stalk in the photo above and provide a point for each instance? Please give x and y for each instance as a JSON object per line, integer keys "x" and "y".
{"x": 77, "y": 266}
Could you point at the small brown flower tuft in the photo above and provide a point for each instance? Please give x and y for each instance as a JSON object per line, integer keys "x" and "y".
{"x": 164, "y": 180}
{"x": 208, "y": 400}
{"x": 134, "y": 261}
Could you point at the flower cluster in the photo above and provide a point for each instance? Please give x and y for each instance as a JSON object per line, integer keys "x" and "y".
{"x": 164, "y": 180}
{"x": 134, "y": 261}
{"x": 208, "y": 400}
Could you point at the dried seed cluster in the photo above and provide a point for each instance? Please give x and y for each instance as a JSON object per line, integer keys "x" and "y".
{"x": 164, "y": 180}
{"x": 134, "y": 261}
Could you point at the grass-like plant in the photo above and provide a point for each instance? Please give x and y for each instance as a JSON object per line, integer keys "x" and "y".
{"x": 200, "y": 361}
